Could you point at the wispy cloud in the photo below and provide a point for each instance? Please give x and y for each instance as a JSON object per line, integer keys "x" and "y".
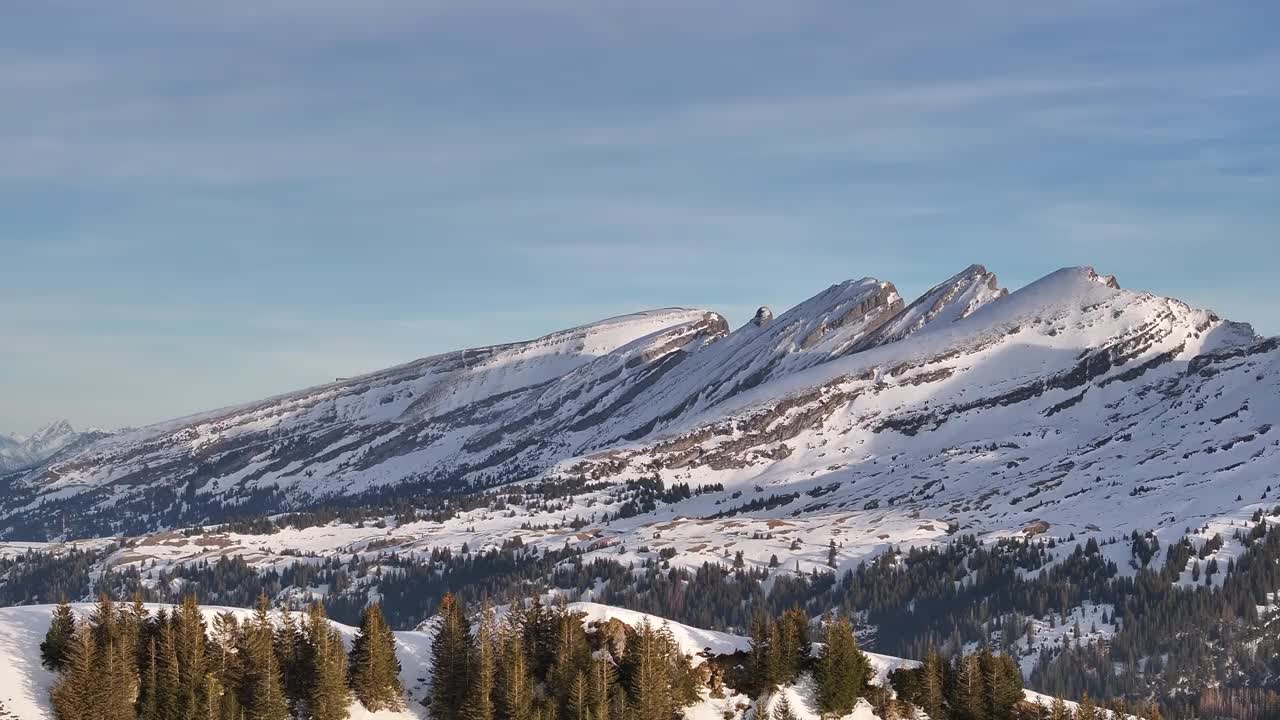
{"x": 282, "y": 187}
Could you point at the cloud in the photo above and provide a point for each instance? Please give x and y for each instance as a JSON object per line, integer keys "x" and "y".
{"x": 293, "y": 189}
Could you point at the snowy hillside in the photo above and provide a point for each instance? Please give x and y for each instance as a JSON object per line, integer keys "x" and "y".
{"x": 24, "y": 683}
{"x": 1069, "y": 406}
{"x": 403, "y": 427}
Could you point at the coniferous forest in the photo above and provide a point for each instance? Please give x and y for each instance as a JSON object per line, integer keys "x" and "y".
{"x": 906, "y": 602}
{"x": 124, "y": 662}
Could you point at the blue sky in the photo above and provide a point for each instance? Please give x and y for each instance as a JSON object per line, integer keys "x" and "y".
{"x": 204, "y": 203}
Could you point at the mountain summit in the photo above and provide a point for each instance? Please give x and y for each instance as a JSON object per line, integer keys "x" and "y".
{"x": 24, "y": 451}
{"x": 963, "y": 405}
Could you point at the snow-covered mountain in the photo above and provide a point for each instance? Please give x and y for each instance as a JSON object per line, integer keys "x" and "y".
{"x": 18, "y": 451}
{"x": 1071, "y": 402}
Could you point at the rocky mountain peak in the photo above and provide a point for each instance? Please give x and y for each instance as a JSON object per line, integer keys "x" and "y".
{"x": 763, "y": 317}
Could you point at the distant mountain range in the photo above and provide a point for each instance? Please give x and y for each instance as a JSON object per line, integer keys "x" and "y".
{"x": 18, "y": 452}
{"x": 1070, "y": 400}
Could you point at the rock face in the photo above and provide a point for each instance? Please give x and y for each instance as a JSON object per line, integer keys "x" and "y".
{"x": 968, "y": 401}
{"x": 956, "y": 299}
{"x": 763, "y": 317}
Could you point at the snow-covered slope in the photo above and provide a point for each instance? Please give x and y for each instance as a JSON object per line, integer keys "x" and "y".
{"x": 1070, "y": 403}
{"x": 424, "y": 423}
{"x": 24, "y": 683}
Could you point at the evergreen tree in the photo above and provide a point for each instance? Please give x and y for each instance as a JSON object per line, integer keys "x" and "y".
{"x": 484, "y": 669}
{"x": 1002, "y": 684}
{"x": 149, "y": 705}
{"x": 375, "y": 670}
{"x": 515, "y": 691}
{"x": 53, "y": 651}
{"x": 72, "y": 692}
{"x": 572, "y": 654}
{"x": 451, "y": 658}
{"x": 966, "y": 699}
{"x": 578, "y": 702}
{"x": 225, "y": 660}
{"x": 190, "y": 643}
{"x": 1087, "y": 710}
{"x": 168, "y": 683}
{"x": 796, "y": 641}
{"x": 603, "y": 680}
{"x": 289, "y": 650}
{"x": 782, "y": 709}
{"x": 843, "y": 671}
{"x": 104, "y": 622}
{"x": 328, "y": 696}
{"x": 649, "y": 677}
{"x": 933, "y": 683}
{"x": 764, "y": 661}
{"x": 263, "y": 694}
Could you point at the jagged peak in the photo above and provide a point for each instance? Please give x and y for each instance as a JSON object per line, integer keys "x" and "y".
{"x": 953, "y": 299}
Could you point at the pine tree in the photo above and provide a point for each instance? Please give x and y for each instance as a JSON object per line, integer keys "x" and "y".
{"x": 1002, "y": 681}
{"x": 168, "y": 683}
{"x": 289, "y": 651}
{"x": 451, "y": 659}
{"x": 104, "y": 622}
{"x": 328, "y": 697}
{"x": 1059, "y": 710}
{"x": 572, "y": 654}
{"x": 603, "y": 679}
{"x": 212, "y": 696}
{"x": 578, "y": 702}
{"x": 263, "y": 694}
{"x": 484, "y": 668}
{"x": 933, "y": 683}
{"x": 149, "y": 707}
{"x": 374, "y": 669}
{"x": 843, "y": 671}
{"x": 649, "y": 677}
{"x": 782, "y": 709}
{"x": 224, "y": 644}
{"x": 141, "y": 628}
{"x": 515, "y": 691}
{"x": 72, "y": 692}
{"x": 619, "y": 706}
{"x": 794, "y": 633}
{"x": 1087, "y": 710}
{"x": 190, "y": 642}
{"x": 966, "y": 698}
{"x": 765, "y": 660}
{"x": 53, "y": 651}
{"x": 685, "y": 684}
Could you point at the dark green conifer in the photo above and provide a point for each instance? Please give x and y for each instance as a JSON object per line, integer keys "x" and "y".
{"x": 843, "y": 671}
{"x": 329, "y": 696}
{"x": 451, "y": 658}
{"x": 53, "y": 651}
{"x": 374, "y": 668}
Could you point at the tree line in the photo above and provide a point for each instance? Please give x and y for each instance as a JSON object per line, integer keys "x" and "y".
{"x": 539, "y": 663}
{"x": 974, "y": 686}
{"x": 124, "y": 662}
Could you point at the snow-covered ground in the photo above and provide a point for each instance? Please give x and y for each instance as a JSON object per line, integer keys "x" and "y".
{"x": 24, "y": 683}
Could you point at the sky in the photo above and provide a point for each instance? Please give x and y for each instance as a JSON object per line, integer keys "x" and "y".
{"x": 207, "y": 203}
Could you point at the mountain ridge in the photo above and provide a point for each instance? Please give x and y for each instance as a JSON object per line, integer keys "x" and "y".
{"x": 673, "y": 387}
